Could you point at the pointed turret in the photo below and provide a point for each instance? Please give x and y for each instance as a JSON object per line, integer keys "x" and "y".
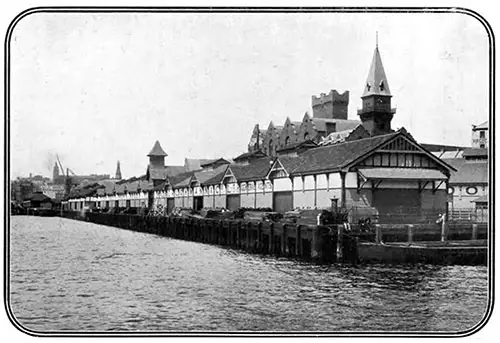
{"x": 376, "y": 113}
{"x": 157, "y": 150}
{"x": 118, "y": 174}
{"x": 157, "y": 155}
{"x": 376, "y": 82}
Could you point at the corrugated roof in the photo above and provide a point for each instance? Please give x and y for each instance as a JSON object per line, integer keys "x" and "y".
{"x": 468, "y": 171}
{"x": 402, "y": 174}
{"x": 475, "y": 152}
{"x": 157, "y": 150}
{"x": 481, "y": 126}
{"x": 340, "y": 124}
{"x": 483, "y": 198}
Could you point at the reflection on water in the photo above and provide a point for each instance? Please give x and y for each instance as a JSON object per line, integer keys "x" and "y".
{"x": 69, "y": 275}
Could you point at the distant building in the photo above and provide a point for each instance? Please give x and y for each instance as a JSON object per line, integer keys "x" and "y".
{"x": 480, "y": 135}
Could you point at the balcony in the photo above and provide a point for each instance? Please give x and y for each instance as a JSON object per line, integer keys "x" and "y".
{"x": 378, "y": 109}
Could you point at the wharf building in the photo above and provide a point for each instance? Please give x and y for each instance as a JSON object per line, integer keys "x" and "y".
{"x": 323, "y": 161}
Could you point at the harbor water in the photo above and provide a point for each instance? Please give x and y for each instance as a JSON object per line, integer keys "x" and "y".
{"x": 70, "y": 275}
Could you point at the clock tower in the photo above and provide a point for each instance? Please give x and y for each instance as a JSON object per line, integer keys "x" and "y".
{"x": 376, "y": 113}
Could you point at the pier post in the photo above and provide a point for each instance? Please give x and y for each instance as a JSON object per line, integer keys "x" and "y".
{"x": 340, "y": 236}
{"x": 284, "y": 246}
{"x": 474, "y": 231}
{"x": 410, "y": 233}
{"x": 314, "y": 242}
{"x": 271, "y": 236}
{"x": 443, "y": 228}
{"x": 378, "y": 234}
{"x": 247, "y": 235}
{"x": 298, "y": 243}
{"x": 238, "y": 226}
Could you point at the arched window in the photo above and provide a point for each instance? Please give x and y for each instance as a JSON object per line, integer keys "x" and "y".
{"x": 287, "y": 140}
{"x": 306, "y": 136}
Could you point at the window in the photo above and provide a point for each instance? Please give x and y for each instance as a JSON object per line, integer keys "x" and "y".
{"x": 271, "y": 153}
{"x": 306, "y": 136}
{"x": 482, "y": 146}
{"x": 451, "y": 190}
{"x": 382, "y": 86}
{"x": 287, "y": 140}
{"x": 481, "y": 134}
{"x": 471, "y": 190}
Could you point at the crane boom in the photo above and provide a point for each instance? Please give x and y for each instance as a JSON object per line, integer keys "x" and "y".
{"x": 60, "y": 164}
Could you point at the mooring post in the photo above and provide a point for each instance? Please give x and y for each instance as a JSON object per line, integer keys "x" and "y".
{"x": 443, "y": 228}
{"x": 247, "y": 235}
{"x": 474, "y": 231}
{"x": 378, "y": 234}
{"x": 284, "y": 246}
{"x": 410, "y": 233}
{"x": 298, "y": 241}
{"x": 271, "y": 236}
{"x": 340, "y": 236}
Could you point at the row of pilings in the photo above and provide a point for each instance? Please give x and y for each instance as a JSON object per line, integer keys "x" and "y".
{"x": 308, "y": 242}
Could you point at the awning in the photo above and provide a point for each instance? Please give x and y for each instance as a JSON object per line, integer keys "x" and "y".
{"x": 483, "y": 198}
{"x": 413, "y": 174}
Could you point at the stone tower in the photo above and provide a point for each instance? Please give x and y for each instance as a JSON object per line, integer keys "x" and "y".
{"x": 330, "y": 106}
{"x": 157, "y": 156}
{"x": 376, "y": 113}
{"x": 118, "y": 174}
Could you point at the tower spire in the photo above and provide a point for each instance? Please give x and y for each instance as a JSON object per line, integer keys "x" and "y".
{"x": 376, "y": 39}
{"x": 376, "y": 113}
{"x": 118, "y": 174}
{"x": 376, "y": 82}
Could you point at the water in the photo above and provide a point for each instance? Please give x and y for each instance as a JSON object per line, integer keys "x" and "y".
{"x": 78, "y": 276}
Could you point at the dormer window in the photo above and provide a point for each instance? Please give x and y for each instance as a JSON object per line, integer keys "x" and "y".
{"x": 368, "y": 86}
{"x": 382, "y": 86}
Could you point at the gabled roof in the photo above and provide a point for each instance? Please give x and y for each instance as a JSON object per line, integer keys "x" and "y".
{"x": 214, "y": 161}
{"x": 467, "y": 171}
{"x": 248, "y": 155}
{"x": 344, "y": 155}
{"x": 40, "y": 197}
{"x": 257, "y": 169}
{"x": 304, "y": 144}
{"x": 157, "y": 150}
{"x": 332, "y": 157}
{"x": 376, "y": 82}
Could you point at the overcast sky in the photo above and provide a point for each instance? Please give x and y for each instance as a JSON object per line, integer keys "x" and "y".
{"x": 97, "y": 88}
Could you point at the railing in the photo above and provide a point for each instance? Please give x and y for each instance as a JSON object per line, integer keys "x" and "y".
{"x": 479, "y": 215}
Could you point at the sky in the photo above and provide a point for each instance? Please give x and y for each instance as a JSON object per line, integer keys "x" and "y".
{"x": 97, "y": 88}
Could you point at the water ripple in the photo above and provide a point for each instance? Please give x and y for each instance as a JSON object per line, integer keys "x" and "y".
{"x": 68, "y": 275}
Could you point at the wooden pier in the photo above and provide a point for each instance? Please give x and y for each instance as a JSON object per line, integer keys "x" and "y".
{"x": 315, "y": 243}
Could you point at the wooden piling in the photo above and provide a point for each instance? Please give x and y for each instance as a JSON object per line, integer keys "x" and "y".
{"x": 410, "y": 233}
{"x": 340, "y": 236}
{"x": 474, "y": 231}
{"x": 378, "y": 234}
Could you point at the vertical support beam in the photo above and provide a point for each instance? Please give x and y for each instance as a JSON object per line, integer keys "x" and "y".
{"x": 378, "y": 234}
{"x": 340, "y": 235}
{"x": 443, "y": 228}
{"x": 315, "y": 191}
{"x": 410, "y": 233}
{"x": 343, "y": 191}
{"x": 474, "y": 231}
{"x": 298, "y": 243}
{"x": 271, "y": 236}
{"x": 284, "y": 247}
